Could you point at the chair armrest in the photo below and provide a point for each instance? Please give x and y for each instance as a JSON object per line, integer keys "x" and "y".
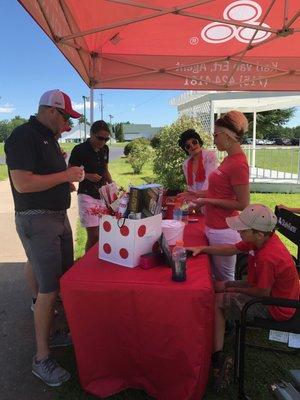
{"x": 273, "y": 301}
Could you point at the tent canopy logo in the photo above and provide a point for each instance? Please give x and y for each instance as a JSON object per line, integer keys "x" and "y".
{"x": 247, "y": 11}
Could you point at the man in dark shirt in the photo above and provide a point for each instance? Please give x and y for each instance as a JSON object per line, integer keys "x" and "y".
{"x": 93, "y": 155}
{"x": 40, "y": 186}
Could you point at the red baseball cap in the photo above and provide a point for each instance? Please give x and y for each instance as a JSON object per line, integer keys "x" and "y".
{"x": 58, "y": 99}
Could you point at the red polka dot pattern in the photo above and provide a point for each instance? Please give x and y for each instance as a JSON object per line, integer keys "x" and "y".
{"x": 124, "y": 230}
{"x": 107, "y": 248}
{"x": 142, "y": 230}
{"x": 123, "y": 253}
{"x": 106, "y": 226}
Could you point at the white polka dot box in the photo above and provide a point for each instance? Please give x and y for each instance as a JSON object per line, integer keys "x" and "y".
{"x": 123, "y": 242}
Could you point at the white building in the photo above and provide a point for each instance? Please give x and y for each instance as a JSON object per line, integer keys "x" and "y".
{"x": 136, "y": 131}
{"x": 77, "y": 135}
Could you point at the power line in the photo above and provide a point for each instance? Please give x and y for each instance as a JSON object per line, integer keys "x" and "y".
{"x": 142, "y": 103}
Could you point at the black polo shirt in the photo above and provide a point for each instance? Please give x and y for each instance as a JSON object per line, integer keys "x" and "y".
{"x": 32, "y": 147}
{"x": 94, "y": 162}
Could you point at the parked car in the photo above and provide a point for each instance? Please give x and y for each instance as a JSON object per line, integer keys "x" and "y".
{"x": 269, "y": 142}
{"x": 279, "y": 141}
{"x": 286, "y": 142}
{"x": 248, "y": 141}
{"x": 295, "y": 141}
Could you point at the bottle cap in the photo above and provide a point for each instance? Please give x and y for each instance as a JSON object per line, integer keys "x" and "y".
{"x": 179, "y": 243}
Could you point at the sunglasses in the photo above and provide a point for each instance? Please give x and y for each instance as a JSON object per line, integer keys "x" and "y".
{"x": 189, "y": 145}
{"x": 65, "y": 116}
{"x": 102, "y": 138}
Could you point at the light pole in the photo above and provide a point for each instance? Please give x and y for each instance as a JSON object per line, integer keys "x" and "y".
{"x": 85, "y": 98}
{"x": 112, "y": 131}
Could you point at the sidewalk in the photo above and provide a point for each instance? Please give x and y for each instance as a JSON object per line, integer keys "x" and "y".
{"x": 16, "y": 319}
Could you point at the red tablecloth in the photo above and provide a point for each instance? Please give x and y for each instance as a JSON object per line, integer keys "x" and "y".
{"x": 135, "y": 328}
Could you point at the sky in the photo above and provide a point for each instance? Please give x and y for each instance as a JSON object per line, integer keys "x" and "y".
{"x": 31, "y": 64}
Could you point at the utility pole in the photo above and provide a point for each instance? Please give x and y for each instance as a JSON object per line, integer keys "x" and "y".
{"x": 84, "y": 113}
{"x": 112, "y": 131}
{"x": 101, "y": 105}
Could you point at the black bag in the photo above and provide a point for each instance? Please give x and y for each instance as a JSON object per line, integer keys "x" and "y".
{"x": 284, "y": 391}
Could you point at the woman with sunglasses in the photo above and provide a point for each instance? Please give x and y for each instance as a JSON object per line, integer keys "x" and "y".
{"x": 198, "y": 165}
{"x": 228, "y": 190}
{"x": 93, "y": 155}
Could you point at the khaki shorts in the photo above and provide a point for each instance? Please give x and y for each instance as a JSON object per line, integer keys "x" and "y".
{"x": 234, "y": 302}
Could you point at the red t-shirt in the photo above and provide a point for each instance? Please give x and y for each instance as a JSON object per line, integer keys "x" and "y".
{"x": 233, "y": 171}
{"x": 272, "y": 266}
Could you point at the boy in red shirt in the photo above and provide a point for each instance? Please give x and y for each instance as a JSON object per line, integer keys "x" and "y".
{"x": 271, "y": 272}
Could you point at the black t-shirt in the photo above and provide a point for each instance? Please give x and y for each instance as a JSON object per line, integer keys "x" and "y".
{"x": 32, "y": 147}
{"x": 94, "y": 162}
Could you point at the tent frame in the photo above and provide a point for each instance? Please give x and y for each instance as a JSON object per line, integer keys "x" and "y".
{"x": 75, "y": 40}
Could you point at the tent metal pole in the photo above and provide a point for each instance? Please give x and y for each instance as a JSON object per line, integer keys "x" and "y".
{"x": 254, "y": 139}
{"x": 91, "y": 105}
{"x": 212, "y": 117}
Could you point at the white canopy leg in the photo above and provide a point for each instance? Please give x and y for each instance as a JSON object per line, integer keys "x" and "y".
{"x": 91, "y": 105}
{"x": 212, "y": 117}
{"x": 254, "y": 141}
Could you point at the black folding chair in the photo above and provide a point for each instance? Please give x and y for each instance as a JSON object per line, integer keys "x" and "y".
{"x": 288, "y": 224}
{"x": 292, "y": 326}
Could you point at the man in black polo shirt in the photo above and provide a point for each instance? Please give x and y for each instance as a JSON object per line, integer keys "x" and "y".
{"x": 40, "y": 186}
{"x": 93, "y": 155}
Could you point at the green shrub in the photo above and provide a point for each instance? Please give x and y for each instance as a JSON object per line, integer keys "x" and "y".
{"x": 140, "y": 153}
{"x": 169, "y": 156}
{"x": 128, "y": 147}
{"x": 155, "y": 141}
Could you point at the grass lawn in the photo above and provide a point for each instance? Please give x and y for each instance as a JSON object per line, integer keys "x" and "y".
{"x": 278, "y": 159}
{"x": 69, "y": 146}
{"x": 121, "y": 171}
{"x": 262, "y": 368}
{"x": 3, "y": 172}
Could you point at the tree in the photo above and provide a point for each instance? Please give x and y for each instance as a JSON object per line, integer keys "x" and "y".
{"x": 6, "y": 126}
{"x": 268, "y": 122}
{"x": 4, "y": 130}
{"x": 119, "y": 134}
{"x": 129, "y": 146}
{"x": 82, "y": 119}
{"x": 169, "y": 156}
{"x": 140, "y": 153}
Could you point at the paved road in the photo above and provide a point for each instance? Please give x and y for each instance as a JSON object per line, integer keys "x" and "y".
{"x": 16, "y": 319}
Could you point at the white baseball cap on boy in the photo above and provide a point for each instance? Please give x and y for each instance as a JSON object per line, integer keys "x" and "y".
{"x": 254, "y": 216}
{"x": 59, "y": 99}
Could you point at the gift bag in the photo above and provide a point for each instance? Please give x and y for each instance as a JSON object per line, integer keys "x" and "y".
{"x": 123, "y": 241}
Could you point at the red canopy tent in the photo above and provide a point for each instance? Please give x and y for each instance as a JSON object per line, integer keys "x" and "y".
{"x": 177, "y": 44}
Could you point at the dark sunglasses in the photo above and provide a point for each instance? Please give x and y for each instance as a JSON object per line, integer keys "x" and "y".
{"x": 65, "y": 116}
{"x": 102, "y": 138}
{"x": 188, "y": 145}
